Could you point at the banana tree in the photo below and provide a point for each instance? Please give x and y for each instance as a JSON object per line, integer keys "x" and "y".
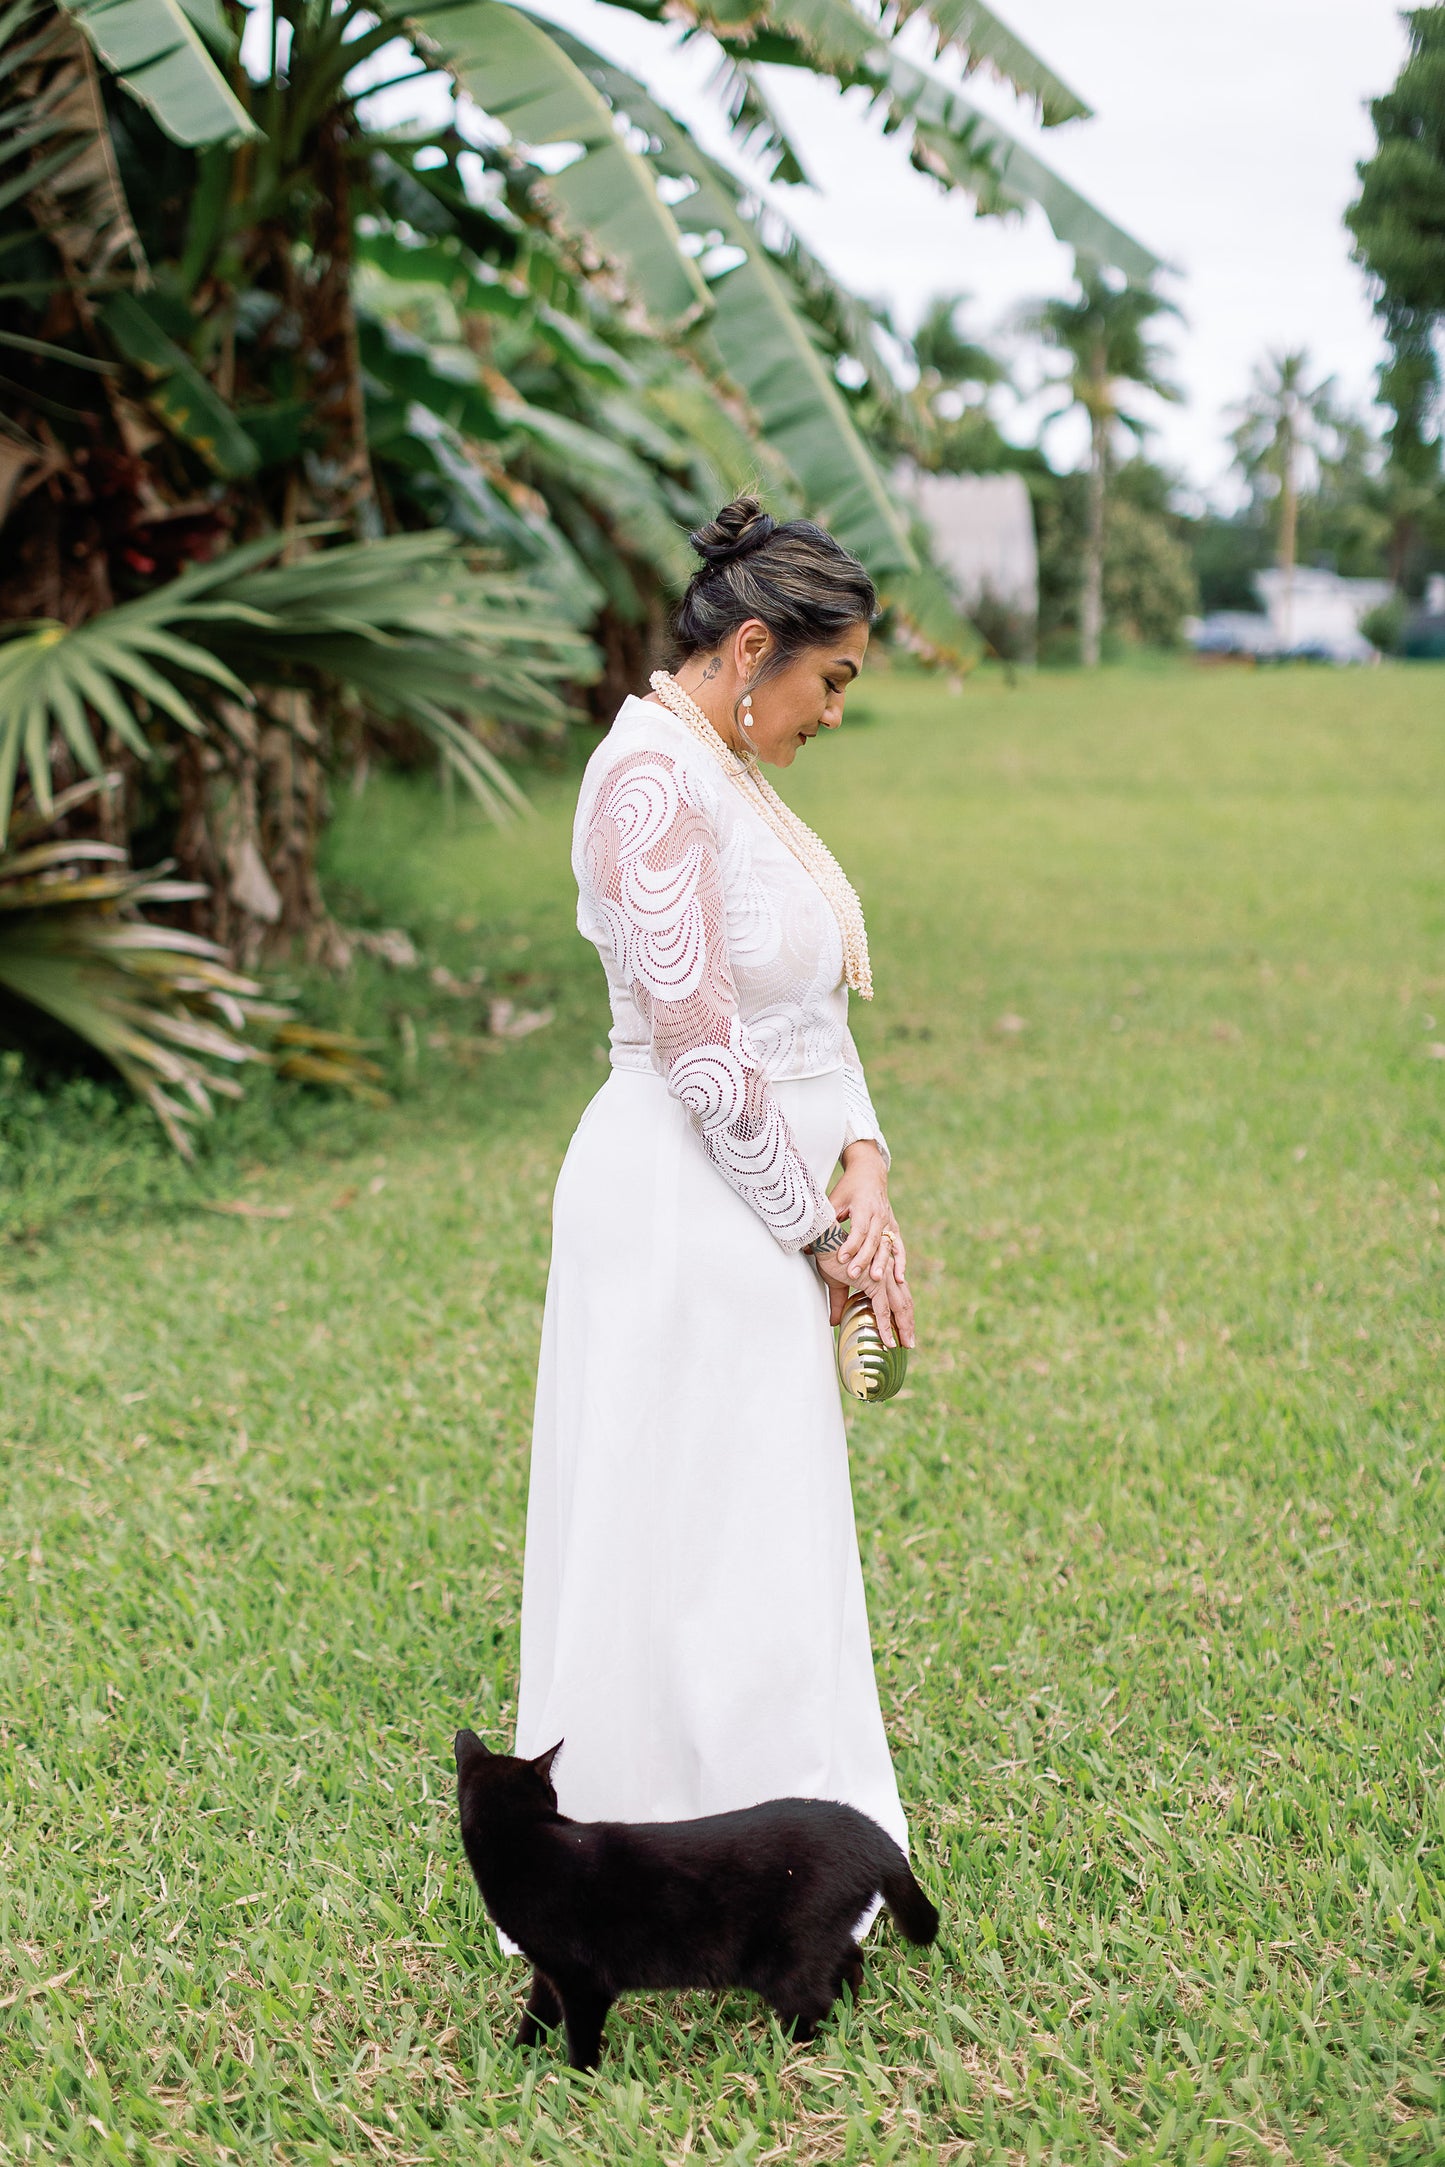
{"x": 239, "y": 305}
{"x": 548, "y": 88}
{"x": 299, "y": 171}
{"x": 761, "y": 339}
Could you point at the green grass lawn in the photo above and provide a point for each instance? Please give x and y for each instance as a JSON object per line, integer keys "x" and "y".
{"x": 1153, "y": 1543}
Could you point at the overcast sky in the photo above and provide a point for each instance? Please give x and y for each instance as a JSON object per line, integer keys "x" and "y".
{"x": 1225, "y": 137}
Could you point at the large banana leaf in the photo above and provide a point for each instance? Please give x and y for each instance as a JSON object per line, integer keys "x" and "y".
{"x": 849, "y": 325}
{"x": 955, "y": 140}
{"x": 969, "y": 27}
{"x": 588, "y": 425}
{"x": 728, "y": 458}
{"x": 759, "y": 339}
{"x": 179, "y": 395}
{"x": 762, "y": 341}
{"x": 435, "y": 468}
{"x": 445, "y": 379}
{"x": 160, "y": 58}
{"x": 594, "y": 436}
{"x": 517, "y": 72}
{"x": 984, "y": 41}
{"x": 613, "y": 478}
{"x": 962, "y": 146}
{"x": 438, "y": 282}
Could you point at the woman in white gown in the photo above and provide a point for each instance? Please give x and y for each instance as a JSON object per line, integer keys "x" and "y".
{"x": 693, "y": 1621}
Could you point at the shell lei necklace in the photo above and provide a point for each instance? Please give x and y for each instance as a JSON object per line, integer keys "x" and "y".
{"x": 809, "y": 849}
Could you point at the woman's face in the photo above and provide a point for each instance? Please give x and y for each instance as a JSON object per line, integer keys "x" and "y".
{"x": 805, "y": 696}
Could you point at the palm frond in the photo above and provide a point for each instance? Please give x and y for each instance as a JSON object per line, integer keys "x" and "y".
{"x": 406, "y": 624}
{"x": 403, "y": 621}
{"x": 54, "y": 678}
{"x": 161, "y": 1006}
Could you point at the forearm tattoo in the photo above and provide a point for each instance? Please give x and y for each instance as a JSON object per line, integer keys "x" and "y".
{"x": 829, "y": 1241}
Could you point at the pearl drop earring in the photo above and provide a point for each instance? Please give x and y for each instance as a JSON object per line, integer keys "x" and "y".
{"x": 745, "y": 714}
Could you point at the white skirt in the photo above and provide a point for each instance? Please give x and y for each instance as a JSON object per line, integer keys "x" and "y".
{"x": 693, "y": 1618}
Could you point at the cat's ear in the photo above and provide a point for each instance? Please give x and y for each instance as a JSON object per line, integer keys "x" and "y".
{"x": 543, "y": 1762}
{"x": 468, "y": 1747}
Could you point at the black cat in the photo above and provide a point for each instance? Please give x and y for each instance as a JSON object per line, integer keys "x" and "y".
{"x": 765, "y": 1898}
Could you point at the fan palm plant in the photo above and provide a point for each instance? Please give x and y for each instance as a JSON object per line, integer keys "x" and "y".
{"x": 78, "y": 959}
{"x": 401, "y": 621}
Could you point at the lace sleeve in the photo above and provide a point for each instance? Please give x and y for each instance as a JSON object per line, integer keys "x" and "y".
{"x": 861, "y": 1119}
{"x": 651, "y": 862}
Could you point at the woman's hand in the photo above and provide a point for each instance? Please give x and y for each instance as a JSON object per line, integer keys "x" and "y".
{"x": 892, "y": 1302}
{"x": 872, "y": 1258}
{"x": 860, "y": 1195}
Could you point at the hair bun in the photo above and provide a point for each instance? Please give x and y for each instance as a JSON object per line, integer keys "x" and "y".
{"x": 739, "y": 529}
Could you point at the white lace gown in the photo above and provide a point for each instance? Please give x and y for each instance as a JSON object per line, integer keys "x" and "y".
{"x": 693, "y": 1620}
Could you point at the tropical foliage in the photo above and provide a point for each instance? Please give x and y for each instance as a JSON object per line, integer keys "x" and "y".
{"x": 1102, "y": 337}
{"x": 161, "y": 1005}
{"x": 1149, "y": 582}
{"x": 945, "y": 422}
{"x": 329, "y": 439}
{"x": 1286, "y": 418}
{"x": 1398, "y": 222}
{"x": 1355, "y": 509}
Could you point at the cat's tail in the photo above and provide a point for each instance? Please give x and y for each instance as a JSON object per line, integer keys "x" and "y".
{"x": 915, "y": 1916}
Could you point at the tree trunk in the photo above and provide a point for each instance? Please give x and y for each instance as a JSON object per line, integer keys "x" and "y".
{"x": 252, "y": 805}
{"x": 1091, "y": 593}
{"x": 1288, "y": 528}
{"x": 340, "y": 398}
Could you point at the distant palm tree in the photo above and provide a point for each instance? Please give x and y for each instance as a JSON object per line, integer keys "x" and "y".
{"x": 1284, "y": 418}
{"x": 943, "y": 424}
{"x": 1103, "y": 334}
{"x": 947, "y": 357}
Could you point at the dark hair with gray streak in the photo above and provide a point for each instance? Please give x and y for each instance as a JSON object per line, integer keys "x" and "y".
{"x": 793, "y": 577}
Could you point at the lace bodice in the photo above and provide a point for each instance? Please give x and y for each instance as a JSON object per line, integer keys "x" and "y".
{"x": 724, "y": 961}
